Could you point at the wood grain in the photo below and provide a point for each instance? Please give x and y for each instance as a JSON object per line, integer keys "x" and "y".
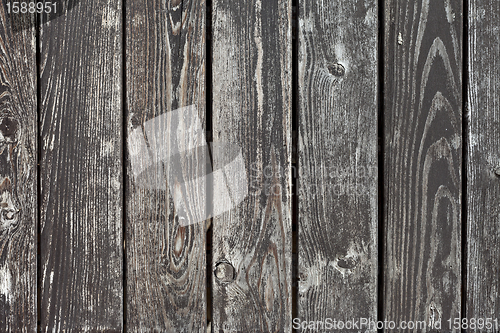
{"x": 252, "y": 110}
{"x": 166, "y": 267}
{"x": 18, "y": 176}
{"x": 337, "y": 183}
{"x": 423, "y": 160}
{"x": 81, "y": 245}
{"x": 483, "y": 139}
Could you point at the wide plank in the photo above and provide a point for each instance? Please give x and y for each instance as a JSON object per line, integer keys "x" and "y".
{"x": 81, "y": 213}
{"x": 165, "y": 79}
{"x": 252, "y": 234}
{"x": 423, "y": 162}
{"x": 18, "y": 174}
{"x": 483, "y": 166}
{"x": 337, "y": 161}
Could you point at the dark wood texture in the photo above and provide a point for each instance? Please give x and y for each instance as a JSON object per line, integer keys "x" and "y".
{"x": 423, "y": 160}
{"x": 18, "y": 170}
{"x": 252, "y": 110}
{"x": 81, "y": 245}
{"x": 337, "y": 158}
{"x": 483, "y": 156}
{"x": 166, "y": 268}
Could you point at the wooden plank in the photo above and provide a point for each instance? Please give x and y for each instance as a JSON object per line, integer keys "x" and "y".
{"x": 18, "y": 175}
{"x": 483, "y": 172}
{"x": 337, "y": 183}
{"x": 423, "y": 160}
{"x": 81, "y": 245}
{"x": 252, "y": 110}
{"x": 166, "y": 265}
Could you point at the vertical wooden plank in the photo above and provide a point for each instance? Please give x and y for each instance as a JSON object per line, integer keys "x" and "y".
{"x": 252, "y": 110}
{"x": 81, "y": 169}
{"x": 423, "y": 160}
{"x": 18, "y": 175}
{"x": 338, "y": 204}
{"x": 165, "y": 66}
{"x": 483, "y": 167}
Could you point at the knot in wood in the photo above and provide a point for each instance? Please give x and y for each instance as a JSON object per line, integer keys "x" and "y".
{"x": 336, "y": 69}
{"x": 224, "y": 272}
{"x": 497, "y": 171}
{"x": 9, "y": 128}
{"x": 347, "y": 263}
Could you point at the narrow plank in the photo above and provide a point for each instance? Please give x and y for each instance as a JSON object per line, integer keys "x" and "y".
{"x": 483, "y": 172}
{"x": 423, "y": 160}
{"x": 337, "y": 183}
{"x": 18, "y": 175}
{"x": 252, "y": 112}
{"x": 81, "y": 245}
{"x": 165, "y": 66}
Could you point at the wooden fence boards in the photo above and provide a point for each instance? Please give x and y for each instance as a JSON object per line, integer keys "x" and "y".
{"x": 423, "y": 160}
{"x": 483, "y": 140}
{"x": 81, "y": 169}
{"x": 252, "y": 109}
{"x": 338, "y": 206}
{"x": 166, "y": 287}
{"x": 105, "y": 194}
{"x": 18, "y": 180}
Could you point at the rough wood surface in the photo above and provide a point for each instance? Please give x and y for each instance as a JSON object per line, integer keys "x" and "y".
{"x": 423, "y": 160}
{"x": 81, "y": 245}
{"x": 18, "y": 180}
{"x": 337, "y": 160}
{"x": 252, "y": 109}
{"x": 166, "y": 268}
{"x": 483, "y": 156}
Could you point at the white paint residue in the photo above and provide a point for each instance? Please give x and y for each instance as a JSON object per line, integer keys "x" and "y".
{"x": 456, "y": 141}
{"x": 115, "y": 184}
{"x": 5, "y": 282}
{"x": 341, "y": 56}
{"x": 52, "y": 142}
{"x": 450, "y": 16}
{"x": 109, "y": 18}
{"x": 473, "y": 140}
{"x": 400, "y": 39}
{"x": 108, "y": 147}
{"x": 260, "y": 56}
{"x": 370, "y": 17}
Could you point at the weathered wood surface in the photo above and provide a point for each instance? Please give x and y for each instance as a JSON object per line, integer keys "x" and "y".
{"x": 18, "y": 177}
{"x": 252, "y": 110}
{"x": 81, "y": 245}
{"x": 165, "y": 66}
{"x": 337, "y": 157}
{"x": 483, "y": 156}
{"x": 423, "y": 160}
